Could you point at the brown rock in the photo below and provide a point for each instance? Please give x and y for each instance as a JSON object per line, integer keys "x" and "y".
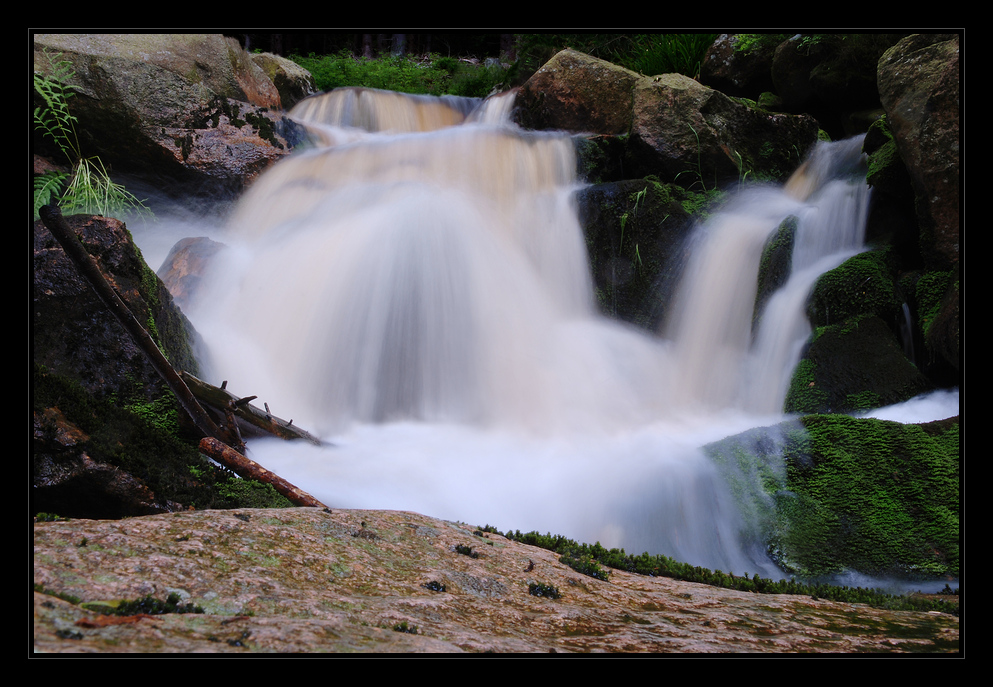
{"x": 308, "y": 580}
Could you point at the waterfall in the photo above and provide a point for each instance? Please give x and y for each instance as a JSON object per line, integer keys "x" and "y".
{"x": 415, "y": 288}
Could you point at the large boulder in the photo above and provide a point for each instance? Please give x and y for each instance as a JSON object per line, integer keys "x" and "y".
{"x": 734, "y": 70}
{"x": 919, "y": 85}
{"x": 676, "y": 128}
{"x": 293, "y": 82}
{"x": 190, "y": 109}
{"x": 87, "y": 366}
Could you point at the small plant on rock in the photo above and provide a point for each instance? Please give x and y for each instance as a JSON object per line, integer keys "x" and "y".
{"x": 88, "y": 188}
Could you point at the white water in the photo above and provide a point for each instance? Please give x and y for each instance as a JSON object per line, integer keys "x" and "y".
{"x": 422, "y": 300}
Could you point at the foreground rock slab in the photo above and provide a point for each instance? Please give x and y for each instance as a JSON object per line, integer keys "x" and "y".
{"x": 311, "y": 580}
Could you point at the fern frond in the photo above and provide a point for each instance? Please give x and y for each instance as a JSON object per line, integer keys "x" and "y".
{"x": 54, "y": 119}
{"x": 47, "y": 187}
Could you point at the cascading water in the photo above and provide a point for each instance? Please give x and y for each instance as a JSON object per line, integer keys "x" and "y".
{"x": 418, "y": 293}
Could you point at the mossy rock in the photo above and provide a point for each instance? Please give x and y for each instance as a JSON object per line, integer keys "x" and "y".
{"x": 860, "y": 286}
{"x": 93, "y": 459}
{"x": 833, "y": 493}
{"x": 869, "y": 495}
{"x": 856, "y": 365}
{"x": 634, "y": 231}
{"x": 776, "y": 263}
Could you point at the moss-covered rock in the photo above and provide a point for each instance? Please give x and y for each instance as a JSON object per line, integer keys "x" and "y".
{"x": 860, "y": 286}
{"x": 634, "y": 229}
{"x": 853, "y": 366}
{"x": 831, "y": 493}
{"x": 869, "y": 495}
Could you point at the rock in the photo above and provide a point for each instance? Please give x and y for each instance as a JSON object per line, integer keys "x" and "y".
{"x": 86, "y": 366}
{"x": 678, "y": 129}
{"x": 576, "y": 92}
{"x": 303, "y": 580}
{"x": 184, "y": 268}
{"x": 75, "y": 335}
{"x": 856, "y": 365}
{"x": 831, "y": 493}
{"x": 189, "y": 110}
{"x": 919, "y": 85}
{"x": 634, "y": 232}
{"x": 736, "y": 72}
{"x": 293, "y": 82}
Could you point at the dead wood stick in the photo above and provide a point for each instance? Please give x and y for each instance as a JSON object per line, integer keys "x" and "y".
{"x": 51, "y": 215}
{"x": 248, "y": 468}
{"x": 224, "y": 401}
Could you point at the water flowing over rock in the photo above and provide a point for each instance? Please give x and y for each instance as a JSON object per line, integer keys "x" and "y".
{"x": 437, "y": 291}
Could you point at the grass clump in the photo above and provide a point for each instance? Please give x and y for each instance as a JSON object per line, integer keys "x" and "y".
{"x": 87, "y": 188}
{"x": 659, "y": 565}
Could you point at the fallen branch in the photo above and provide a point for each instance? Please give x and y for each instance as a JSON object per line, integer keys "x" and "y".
{"x": 225, "y": 402}
{"x": 249, "y": 469}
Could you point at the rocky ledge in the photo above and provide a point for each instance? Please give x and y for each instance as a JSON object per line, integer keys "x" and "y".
{"x": 312, "y": 580}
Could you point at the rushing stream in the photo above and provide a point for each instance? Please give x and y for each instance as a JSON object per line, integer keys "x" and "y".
{"x": 415, "y": 289}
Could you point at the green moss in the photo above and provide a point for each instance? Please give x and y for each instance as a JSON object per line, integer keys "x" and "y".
{"x": 870, "y": 495}
{"x": 862, "y": 285}
{"x": 804, "y": 393}
{"x": 930, "y": 292}
{"x": 251, "y": 494}
{"x": 829, "y": 493}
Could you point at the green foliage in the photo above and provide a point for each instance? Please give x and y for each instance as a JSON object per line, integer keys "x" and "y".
{"x": 88, "y": 188}
{"x": 433, "y": 75}
{"x": 669, "y": 53}
{"x": 466, "y": 551}
{"x": 168, "y": 465}
{"x": 647, "y": 53}
{"x": 659, "y": 565}
{"x": 246, "y": 493}
{"x": 748, "y": 42}
{"x": 404, "y": 627}
{"x": 49, "y": 517}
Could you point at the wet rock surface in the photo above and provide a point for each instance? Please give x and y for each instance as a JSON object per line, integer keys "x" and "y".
{"x": 309, "y": 580}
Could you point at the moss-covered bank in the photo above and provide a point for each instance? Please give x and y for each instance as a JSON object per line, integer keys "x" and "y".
{"x": 75, "y": 433}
